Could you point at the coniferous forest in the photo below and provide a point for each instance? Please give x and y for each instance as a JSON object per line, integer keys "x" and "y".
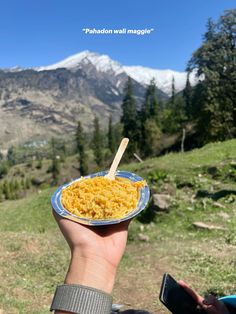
{"x": 205, "y": 112}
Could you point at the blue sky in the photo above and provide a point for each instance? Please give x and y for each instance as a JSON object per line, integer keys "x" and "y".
{"x": 42, "y": 32}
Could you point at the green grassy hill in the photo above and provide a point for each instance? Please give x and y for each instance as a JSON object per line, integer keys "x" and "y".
{"x": 202, "y": 187}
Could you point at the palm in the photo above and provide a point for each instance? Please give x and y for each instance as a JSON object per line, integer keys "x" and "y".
{"x": 107, "y": 242}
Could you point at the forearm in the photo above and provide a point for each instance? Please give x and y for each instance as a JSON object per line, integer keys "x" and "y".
{"x": 91, "y": 272}
{"x": 94, "y": 272}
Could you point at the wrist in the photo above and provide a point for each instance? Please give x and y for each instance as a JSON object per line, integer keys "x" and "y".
{"x": 92, "y": 271}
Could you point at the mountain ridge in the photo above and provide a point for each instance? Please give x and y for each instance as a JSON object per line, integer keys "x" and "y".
{"x": 48, "y": 101}
{"x": 104, "y": 63}
{"x": 36, "y": 104}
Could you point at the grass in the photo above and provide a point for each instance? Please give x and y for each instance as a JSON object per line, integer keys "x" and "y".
{"x": 28, "y": 215}
{"x": 34, "y": 257}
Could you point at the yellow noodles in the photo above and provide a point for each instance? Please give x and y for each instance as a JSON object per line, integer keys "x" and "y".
{"x": 101, "y": 198}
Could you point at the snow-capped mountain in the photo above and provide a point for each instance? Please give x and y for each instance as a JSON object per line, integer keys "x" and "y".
{"x": 103, "y": 63}
{"x": 163, "y": 78}
{"x": 48, "y": 101}
{"x": 143, "y": 75}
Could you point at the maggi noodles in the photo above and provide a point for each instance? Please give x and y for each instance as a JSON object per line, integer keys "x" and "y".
{"x": 101, "y": 198}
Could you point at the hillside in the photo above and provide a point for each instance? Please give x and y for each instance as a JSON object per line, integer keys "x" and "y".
{"x": 201, "y": 187}
{"x": 39, "y": 103}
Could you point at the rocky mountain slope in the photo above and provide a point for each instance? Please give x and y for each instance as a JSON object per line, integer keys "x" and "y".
{"x": 143, "y": 75}
{"x": 45, "y": 101}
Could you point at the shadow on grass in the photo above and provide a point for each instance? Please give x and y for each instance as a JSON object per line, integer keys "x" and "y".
{"x": 147, "y": 216}
{"x": 214, "y": 196}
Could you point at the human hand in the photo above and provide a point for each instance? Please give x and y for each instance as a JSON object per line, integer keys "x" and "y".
{"x": 95, "y": 252}
{"x": 211, "y": 304}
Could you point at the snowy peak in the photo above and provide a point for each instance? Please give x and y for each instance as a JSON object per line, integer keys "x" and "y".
{"x": 163, "y": 78}
{"x": 143, "y": 75}
{"x": 103, "y": 63}
{"x": 68, "y": 63}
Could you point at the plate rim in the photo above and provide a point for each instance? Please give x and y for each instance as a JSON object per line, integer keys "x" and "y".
{"x": 61, "y": 211}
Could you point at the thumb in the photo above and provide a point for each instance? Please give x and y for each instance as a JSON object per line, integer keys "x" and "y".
{"x": 213, "y": 306}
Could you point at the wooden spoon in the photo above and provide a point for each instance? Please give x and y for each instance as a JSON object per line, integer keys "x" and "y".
{"x": 116, "y": 160}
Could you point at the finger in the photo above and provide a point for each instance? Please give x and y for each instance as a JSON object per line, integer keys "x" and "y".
{"x": 58, "y": 218}
{"x": 213, "y": 305}
{"x": 61, "y": 219}
{"x": 65, "y": 224}
{"x": 210, "y": 300}
{"x": 55, "y": 215}
{"x": 190, "y": 291}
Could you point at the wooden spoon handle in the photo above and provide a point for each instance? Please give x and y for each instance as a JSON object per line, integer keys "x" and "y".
{"x": 116, "y": 160}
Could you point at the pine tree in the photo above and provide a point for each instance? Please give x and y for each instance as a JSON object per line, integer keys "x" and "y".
{"x": 63, "y": 151}
{"x": 16, "y": 185}
{"x": 216, "y": 64}
{"x": 22, "y": 184}
{"x": 97, "y": 143}
{"x": 80, "y": 142}
{"x": 150, "y": 106}
{"x": 151, "y": 134}
{"x": 12, "y": 189}
{"x": 118, "y": 131}
{"x": 179, "y": 113}
{"x": 27, "y": 183}
{"x": 129, "y": 119}
{"x": 111, "y": 136}
{"x": 7, "y": 190}
{"x": 173, "y": 92}
{"x": 187, "y": 94}
{"x": 211, "y": 30}
{"x": 3, "y": 169}
{"x": 174, "y": 116}
{"x": 55, "y": 169}
{"x": 149, "y": 121}
{"x": 11, "y": 156}
{"x": 173, "y": 110}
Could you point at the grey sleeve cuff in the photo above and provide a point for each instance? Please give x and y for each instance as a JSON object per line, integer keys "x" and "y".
{"x": 81, "y": 299}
